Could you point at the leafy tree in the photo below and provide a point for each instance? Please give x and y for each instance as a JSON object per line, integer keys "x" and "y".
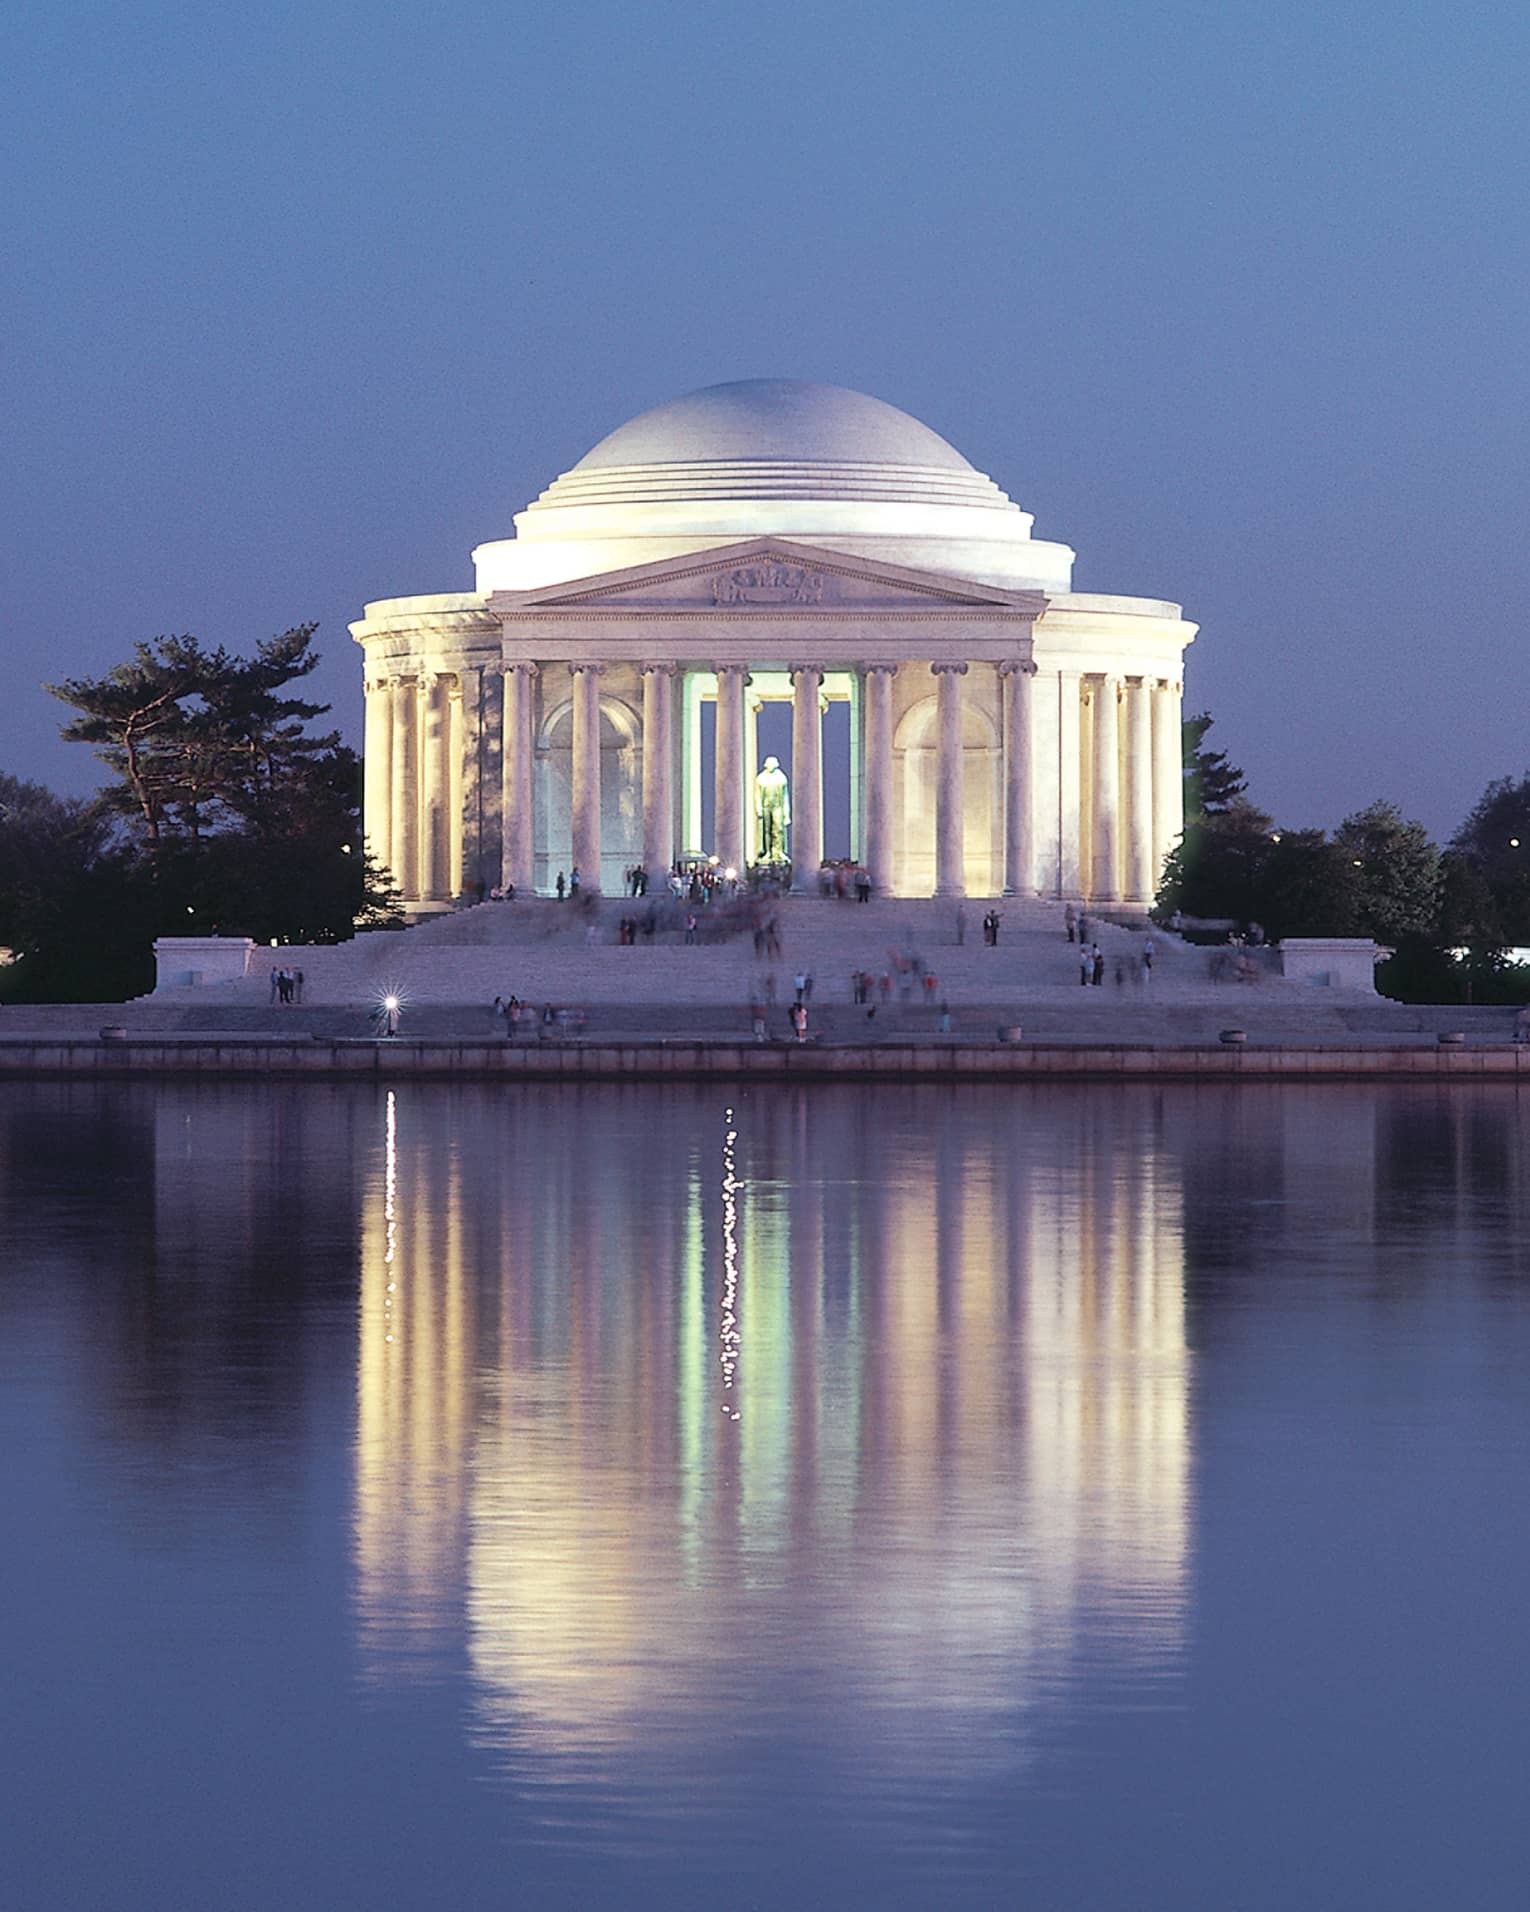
{"x": 137, "y": 719}
{"x": 47, "y": 843}
{"x": 272, "y": 771}
{"x": 197, "y": 737}
{"x": 1397, "y": 873}
{"x": 1215, "y": 869}
{"x": 70, "y": 920}
{"x": 1307, "y": 887}
{"x": 246, "y": 819}
{"x": 1213, "y": 784}
{"x": 1495, "y": 841}
{"x": 1496, "y": 835}
{"x": 1469, "y": 914}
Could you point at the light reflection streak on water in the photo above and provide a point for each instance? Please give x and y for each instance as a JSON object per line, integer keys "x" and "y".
{"x": 729, "y": 1345}
{"x": 968, "y": 1445}
{"x": 390, "y": 1216}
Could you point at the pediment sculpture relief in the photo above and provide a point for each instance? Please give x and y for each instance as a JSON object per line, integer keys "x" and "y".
{"x": 768, "y": 582}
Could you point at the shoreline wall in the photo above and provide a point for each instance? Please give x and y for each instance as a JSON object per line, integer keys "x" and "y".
{"x": 389, "y": 1060}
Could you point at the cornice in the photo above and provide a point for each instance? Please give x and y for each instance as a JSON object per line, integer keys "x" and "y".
{"x": 816, "y": 558}
{"x": 760, "y": 614}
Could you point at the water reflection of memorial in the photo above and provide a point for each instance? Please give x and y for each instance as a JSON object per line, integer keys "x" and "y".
{"x": 957, "y": 1361}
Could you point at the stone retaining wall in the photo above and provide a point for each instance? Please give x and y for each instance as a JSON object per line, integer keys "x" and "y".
{"x": 276, "y": 1057}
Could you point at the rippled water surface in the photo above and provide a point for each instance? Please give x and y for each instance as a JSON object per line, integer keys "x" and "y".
{"x": 888, "y": 1498}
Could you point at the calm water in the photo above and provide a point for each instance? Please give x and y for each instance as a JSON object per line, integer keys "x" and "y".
{"x": 596, "y": 1497}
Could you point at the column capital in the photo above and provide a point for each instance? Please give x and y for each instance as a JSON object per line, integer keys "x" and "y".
{"x": 740, "y": 671}
{"x": 949, "y": 670}
{"x": 1017, "y": 667}
{"x": 519, "y": 667}
{"x": 651, "y": 669}
{"x": 872, "y": 670}
{"x": 805, "y": 670}
{"x": 1136, "y": 681}
{"x": 585, "y": 664}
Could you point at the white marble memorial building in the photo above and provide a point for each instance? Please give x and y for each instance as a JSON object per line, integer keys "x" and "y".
{"x": 764, "y": 542}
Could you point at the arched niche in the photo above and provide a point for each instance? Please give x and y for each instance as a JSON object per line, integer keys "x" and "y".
{"x": 914, "y": 792}
{"x": 621, "y": 793}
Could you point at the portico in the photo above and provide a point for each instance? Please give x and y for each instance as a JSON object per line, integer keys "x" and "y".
{"x": 1004, "y": 735}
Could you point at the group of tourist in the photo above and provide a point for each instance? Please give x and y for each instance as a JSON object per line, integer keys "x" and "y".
{"x": 1134, "y": 965}
{"x": 1131, "y": 966}
{"x": 844, "y": 880}
{"x": 1234, "y": 964}
{"x": 702, "y": 881}
{"x": 286, "y": 985}
{"x": 762, "y": 1000}
{"x": 515, "y": 1014}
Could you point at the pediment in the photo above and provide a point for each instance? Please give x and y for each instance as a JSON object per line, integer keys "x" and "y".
{"x": 767, "y": 577}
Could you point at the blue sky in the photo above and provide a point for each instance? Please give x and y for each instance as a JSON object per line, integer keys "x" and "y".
{"x": 302, "y": 302}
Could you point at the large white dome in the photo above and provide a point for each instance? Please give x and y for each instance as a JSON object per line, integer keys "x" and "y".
{"x": 780, "y": 457}
{"x": 774, "y": 420}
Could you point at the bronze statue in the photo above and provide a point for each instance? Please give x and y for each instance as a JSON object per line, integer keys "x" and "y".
{"x": 772, "y": 811}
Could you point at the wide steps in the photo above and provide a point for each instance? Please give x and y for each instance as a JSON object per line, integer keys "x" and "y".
{"x": 453, "y": 966}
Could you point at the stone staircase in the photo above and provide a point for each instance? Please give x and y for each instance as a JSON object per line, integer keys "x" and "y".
{"x": 448, "y": 970}
{"x": 542, "y": 950}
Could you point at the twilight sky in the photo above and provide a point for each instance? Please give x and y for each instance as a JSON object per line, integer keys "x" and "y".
{"x": 301, "y": 301}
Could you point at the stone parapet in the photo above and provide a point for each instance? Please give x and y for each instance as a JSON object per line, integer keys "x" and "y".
{"x": 1003, "y": 1058}
{"x": 1332, "y": 962}
{"x": 182, "y": 962}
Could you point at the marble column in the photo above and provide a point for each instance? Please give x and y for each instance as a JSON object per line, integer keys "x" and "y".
{"x": 405, "y": 787}
{"x": 950, "y": 789}
{"x": 586, "y": 776}
{"x": 518, "y": 764}
{"x": 378, "y": 763}
{"x": 1071, "y": 860}
{"x": 1016, "y": 678}
{"x": 658, "y": 770}
{"x": 879, "y": 776}
{"x": 728, "y": 821}
{"x": 752, "y": 707}
{"x": 1141, "y": 873}
{"x": 807, "y": 778}
{"x": 491, "y": 774}
{"x": 1105, "y": 787}
{"x": 435, "y": 791}
{"x": 1168, "y": 772}
{"x": 467, "y": 757}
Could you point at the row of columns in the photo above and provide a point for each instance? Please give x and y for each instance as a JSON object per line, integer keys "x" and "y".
{"x": 1135, "y": 785}
{"x": 421, "y": 739}
{"x": 422, "y": 748}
